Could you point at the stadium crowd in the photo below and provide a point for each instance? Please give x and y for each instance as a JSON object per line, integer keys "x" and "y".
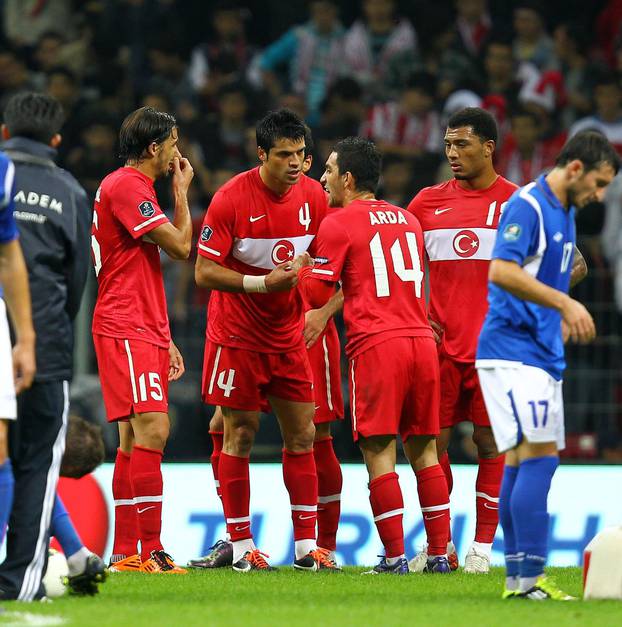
{"x": 387, "y": 70}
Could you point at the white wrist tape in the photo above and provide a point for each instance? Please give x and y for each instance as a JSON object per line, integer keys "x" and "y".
{"x": 256, "y": 284}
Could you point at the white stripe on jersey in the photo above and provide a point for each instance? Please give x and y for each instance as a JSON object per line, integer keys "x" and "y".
{"x": 8, "y": 184}
{"x": 142, "y": 225}
{"x": 532, "y": 264}
{"x": 329, "y": 396}
{"x": 265, "y": 254}
{"x": 455, "y": 244}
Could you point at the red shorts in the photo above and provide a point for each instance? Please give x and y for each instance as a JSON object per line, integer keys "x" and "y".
{"x": 133, "y": 375}
{"x": 243, "y": 379}
{"x": 325, "y": 356}
{"x": 394, "y": 388}
{"x": 461, "y": 395}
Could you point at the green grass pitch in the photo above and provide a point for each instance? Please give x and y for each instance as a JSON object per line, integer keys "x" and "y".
{"x": 223, "y": 597}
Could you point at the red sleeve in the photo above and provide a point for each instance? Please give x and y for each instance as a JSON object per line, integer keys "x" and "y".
{"x": 315, "y": 293}
{"x": 332, "y": 244}
{"x": 136, "y": 207}
{"x": 216, "y": 235}
{"x": 321, "y": 209}
{"x": 416, "y": 205}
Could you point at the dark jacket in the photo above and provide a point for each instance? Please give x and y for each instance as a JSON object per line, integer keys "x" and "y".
{"x": 53, "y": 216}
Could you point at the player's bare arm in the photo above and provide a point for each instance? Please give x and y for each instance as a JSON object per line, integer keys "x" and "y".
{"x": 213, "y": 276}
{"x": 579, "y": 268}
{"x": 317, "y": 319}
{"x": 174, "y": 238}
{"x": 14, "y": 279}
{"x": 512, "y": 278}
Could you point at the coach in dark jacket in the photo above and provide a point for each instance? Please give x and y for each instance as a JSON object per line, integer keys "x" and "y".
{"x": 53, "y": 218}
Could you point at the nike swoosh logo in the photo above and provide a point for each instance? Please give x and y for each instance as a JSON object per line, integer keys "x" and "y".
{"x": 437, "y": 212}
{"x": 306, "y": 517}
{"x": 255, "y": 218}
{"x": 490, "y": 506}
{"x": 242, "y": 527}
{"x": 433, "y": 517}
{"x": 140, "y": 511}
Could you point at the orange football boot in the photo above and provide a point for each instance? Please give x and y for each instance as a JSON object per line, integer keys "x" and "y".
{"x": 161, "y": 562}
{"x": 129, "y": 564}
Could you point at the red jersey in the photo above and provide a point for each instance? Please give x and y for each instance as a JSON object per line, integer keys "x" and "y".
{"x": 130, "y": 301}
{"x": 376, "y": 250}
{"x": 250, "y": 229}
{"x": 460, "y": 227}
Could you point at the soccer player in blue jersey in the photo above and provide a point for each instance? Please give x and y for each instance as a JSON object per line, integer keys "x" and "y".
{"x": 520, "y": 356}
{"x": 17, "y": 365}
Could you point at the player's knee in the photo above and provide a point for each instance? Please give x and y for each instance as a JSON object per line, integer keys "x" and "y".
{"x": 300, "y": 439}
{"x": 241, "y": 437}
{"x": 217, "y": 423}
{"x": 485, "y": 443}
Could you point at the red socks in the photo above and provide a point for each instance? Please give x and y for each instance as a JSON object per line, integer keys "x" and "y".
{"x": 434, "y": 501}
{"x": 487, "y": 488}
{"x": 125, "y": 523}
{"x": 146, "y": 476}
{"x": 329, "y": 480}
{"x": 235, "y": 488}
{"x": 444, "y": 463}
{"x": 300, "y": 478}
{"x": 387, "y": 505}
{"x": 217, "y": 439}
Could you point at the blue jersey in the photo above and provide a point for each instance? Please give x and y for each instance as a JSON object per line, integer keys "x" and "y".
{"x": 8, "y": 229}
{"x": 537, "y": 232}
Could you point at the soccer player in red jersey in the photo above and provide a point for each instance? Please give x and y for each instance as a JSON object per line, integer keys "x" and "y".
{"x": 376, "y": 250}
{"x": 135, "y": 353}
{"x": 255, "y": 229}
{"x": 324, "y": 350}
{"x": 459, "y": 219}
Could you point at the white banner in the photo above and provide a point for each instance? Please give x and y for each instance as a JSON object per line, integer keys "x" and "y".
{"x": 583, "y": 500}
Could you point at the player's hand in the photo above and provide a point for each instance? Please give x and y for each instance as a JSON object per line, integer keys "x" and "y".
{"x": 565, "y": 331}
{"x": 581, "y": 326}
{"x": 283, "y": 278}
{"x": 24, "y": 365}
{"x": 175, "y": 363}
{"x": 302, "y": 260}
{"x": 182, "y": 174}
{"x": 437, "y": 329}
{"x": 315, "y": 323}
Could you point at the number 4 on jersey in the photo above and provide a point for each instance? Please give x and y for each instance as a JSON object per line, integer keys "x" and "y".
{"x": 379, "y": 262}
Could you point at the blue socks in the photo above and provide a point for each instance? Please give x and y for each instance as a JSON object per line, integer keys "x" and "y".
{"x": 505, "y": 519}
{"x": 63, "y": 530}
{"x": 530, "y": 517}
{"x": 7, "y": 484}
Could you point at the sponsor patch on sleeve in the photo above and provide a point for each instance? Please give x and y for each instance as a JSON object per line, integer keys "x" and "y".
{"x": 321, "y": 260}
{"x": 512, "y": 232}
{"x": 206, "y": 233}
{"x": 146, "y": 208}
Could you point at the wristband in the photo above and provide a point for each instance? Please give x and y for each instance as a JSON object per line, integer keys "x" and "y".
{"x": 254, "y": 284}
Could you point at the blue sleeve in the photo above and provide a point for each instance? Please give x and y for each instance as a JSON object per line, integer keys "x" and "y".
{"x": 8, "y": 228}
{"x": 519, "y": 232}
{"x": 280, "y": 51}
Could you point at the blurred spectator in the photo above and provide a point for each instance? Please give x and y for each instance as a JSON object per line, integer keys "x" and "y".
{"x": 313, "y": 54}
{"x": 225, "y": 137}
{"x": 409, "y": 127}
{"x": 524, "y": 155}
{"x": 571, "y": 41}
{"x": 26, "y": 20}
{"x": 371, "y": 42}
{"x": 48, "y": 51}
{"x": 611, "y": 237}
{"x": 14, "y": 76}
{"x": 227, "y": 37}
{"x": 473, "y": 26}
{"x": 532, "y": 44}
{"x": 167, "y": 58}
{"x": 608, "y": 111}
{"x": 396, "y": 183}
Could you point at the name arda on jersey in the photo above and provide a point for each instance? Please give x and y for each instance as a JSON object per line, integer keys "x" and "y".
{"x": 386, "y": 217}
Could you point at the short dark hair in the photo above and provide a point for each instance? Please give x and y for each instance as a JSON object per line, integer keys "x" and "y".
{"x": 280, "y": 124}
{"x": 480, "y": 120}
{"x": 84, "y": 448}
{"x": 361, "y": 158}
{"x": 592, "y": 148}
{"x": 142, "y": 127}
{"x": 34, "y": 116}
